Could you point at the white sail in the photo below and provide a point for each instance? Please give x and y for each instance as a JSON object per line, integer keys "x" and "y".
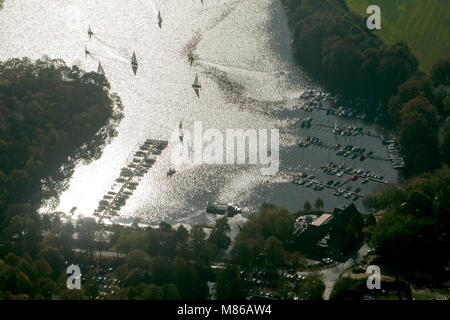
{"x": 100, "y": 69}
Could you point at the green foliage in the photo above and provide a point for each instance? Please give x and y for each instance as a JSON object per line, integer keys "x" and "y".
{"x": 53, "y": 258}
{"x": 274, "y": 251}
{"x": 49, "y": 113}
{"x": 229, "y": 286}
{"x": 440, "y": 72}
{"x": 318, "y": 203}
{"x": 418, "y": 135}
{"x": 347, "y": 288}
{"x": 418, "y": 108}
{"x": 334, "y": 44}
{"x": 138, "y": 259}
{"x": 218, "y": 237}
{"x": 387, "y": 197}
{"x": 445, "y": 144}
{"x": 67, "y": 294}
{"x": 241, "y": 254}
{"x": 307, "y": 206}
{"x": 415, "y": 232}
{"x": 312, "y": 288}
{"x": 422, "y": 24}
{"x": 138, "y": 276}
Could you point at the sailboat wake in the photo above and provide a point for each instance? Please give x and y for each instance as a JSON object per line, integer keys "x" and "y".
{"x": 118, "y": 49}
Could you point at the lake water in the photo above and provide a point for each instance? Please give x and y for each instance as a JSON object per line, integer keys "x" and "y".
{"x": 248, "y": 77}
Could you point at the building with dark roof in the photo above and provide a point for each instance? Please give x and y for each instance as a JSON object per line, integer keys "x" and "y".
{"x": 333, "y": 235}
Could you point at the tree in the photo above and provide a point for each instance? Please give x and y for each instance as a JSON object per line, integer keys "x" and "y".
{"x": 200, "y": 249}
{"x": 418, "y": 135}
{"x": 46, "y": 287}
{"x": 181, "y": 238}
{"x": 407, "y": 91}
{"x": 274, "y": 252}
{"x": 42, "y": 269}
{"x": 229, "y": 286}
{"x": 318, "y": 203}
{"x": 54, "y": 259}
{"x": 75, "y": 294}
{"x": 138, "y": 276}
{"x": 311, "y": 288}
{"x": 66, "y": 237}
{"x": 445, "y": 144}
{"x": 440, "y": 72}
{"x": 86, "y": 228}
{"x": 218, "y": 236}
{"x": 171, "y": 292}
{"x": 138, "y": 259}
{"x": 25, "y": 232}
{"x": 150, "y": 292}
{"x": 387, "y": 197}
{"x": 307, "y": 206}
{"x": 347, "y": 288}
{"x": 241, "y": 254}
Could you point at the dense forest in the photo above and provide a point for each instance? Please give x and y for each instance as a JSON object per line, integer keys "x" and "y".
{"x": 411, "y": 237}
{"x": 420, "y": 110}
{"x": 51, "y": 116}
{"x": 334, "y": 45}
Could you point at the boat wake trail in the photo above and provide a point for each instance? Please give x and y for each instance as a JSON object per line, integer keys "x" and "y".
{"x": 247, "y": 72}
{"x": 235, "y": 93}
{"x": 191, "y": 46}
{"x": 122, "y": 52}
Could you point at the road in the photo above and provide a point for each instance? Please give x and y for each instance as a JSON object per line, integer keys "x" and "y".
{"x": 331, "y": 275}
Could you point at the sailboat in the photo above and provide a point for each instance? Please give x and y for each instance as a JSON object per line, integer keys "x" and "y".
{"x": 90, "y": 33}
{"x": 196, "y": 86}
{"x": 180, "y": 130}
{"x": 100, "y": 69}
{"x": 134, "y": 63}
{"x": 86, "y": 51}
{"x": 159, "y": 19}
{"x": 191, "y": 58}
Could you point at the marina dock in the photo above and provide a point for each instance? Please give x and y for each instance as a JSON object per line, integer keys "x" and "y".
{"x": 141, "y": 163}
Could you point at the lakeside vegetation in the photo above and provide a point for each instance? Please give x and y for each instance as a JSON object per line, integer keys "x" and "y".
{"x": 334, "y": 45}
{"x": 423, "y": 25}
{"x": 51, "y": 116}
{"x": 411, "y": 236}
{"x": 420, "y": 110}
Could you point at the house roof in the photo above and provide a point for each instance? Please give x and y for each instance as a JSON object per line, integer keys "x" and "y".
{"x": 324, "y": 218}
